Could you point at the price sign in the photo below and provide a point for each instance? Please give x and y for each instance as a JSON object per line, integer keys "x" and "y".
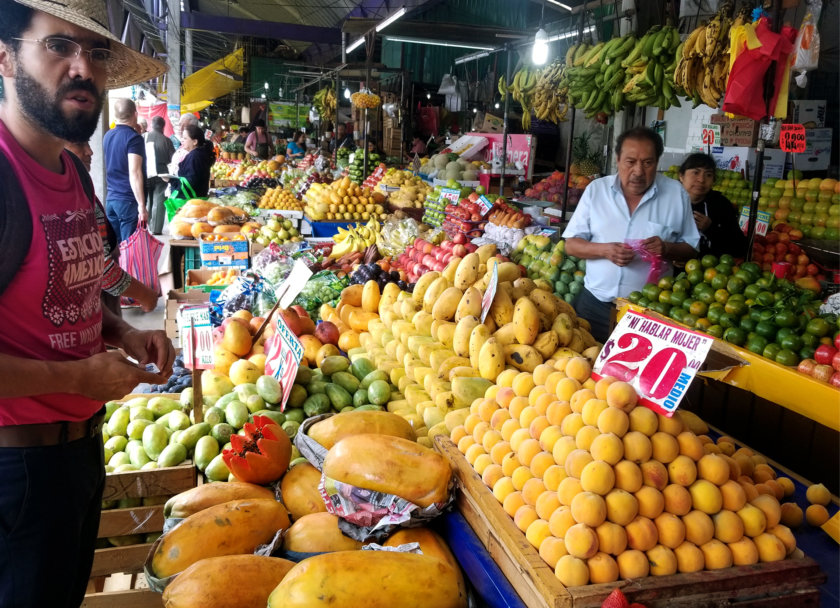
{"x": 196, "y": 336}
{"x": 380, "y": 171}
{"x": 282, "y": 357}
{"x": 484, "y": 205}
{"x": 289, "y": 289}
{"x": 761, "y": 224}
{"x": 710, "y": 134}
{"x": 415, "y": 164}
{"x": 792, "y": 138}
{"x": 490, "y": 294}
{"x": 451, "y": 194}
{"x": 659, "y": 359}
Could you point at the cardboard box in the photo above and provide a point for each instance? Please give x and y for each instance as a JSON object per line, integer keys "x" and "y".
{"x": 810, "y": 113}
{"x": 174, "y": 299}
{"x": 736, "y": 131}
{"x": 735, "y": 158}
{"x": 492, "y": 124}
{"x": 215, "y": 254}
{"x": 197, "y": 279}
{"x": 817, "y": 154}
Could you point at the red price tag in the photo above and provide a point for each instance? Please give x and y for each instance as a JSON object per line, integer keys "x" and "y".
{"x": 659, "y": 359}
{"x": 282, "y": 357}
{"x": 792, "y": 138}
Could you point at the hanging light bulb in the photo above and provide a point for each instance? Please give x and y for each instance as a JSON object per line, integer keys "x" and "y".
{"x": 346, "y": 92}
{"x": 266, "y": 86}
{"x": 475, "y": 110}
{"x": 263, "y": 95}
{"x": 539, "y": 54}
{"x": 428, "y": 95}
{"x": 496, "y": 105}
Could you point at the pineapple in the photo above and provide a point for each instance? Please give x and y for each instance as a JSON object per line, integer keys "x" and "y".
{"x": 586, "y": 162}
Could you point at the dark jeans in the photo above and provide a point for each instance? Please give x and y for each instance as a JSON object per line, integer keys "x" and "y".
{"x": 155, "y": 195}
{"x": 50, "y": 502}
{"x": 123, "y": 217}
{"x": 595, "y": 311}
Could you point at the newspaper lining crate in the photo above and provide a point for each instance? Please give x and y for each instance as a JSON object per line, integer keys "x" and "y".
{"x": 145, "y": 519}
{"x": 789, "y": 583}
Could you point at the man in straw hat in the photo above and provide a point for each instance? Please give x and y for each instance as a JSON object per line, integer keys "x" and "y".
{"x": 57, "y": 58}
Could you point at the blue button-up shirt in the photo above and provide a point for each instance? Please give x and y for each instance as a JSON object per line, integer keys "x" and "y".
{"x": 602, "y": 216}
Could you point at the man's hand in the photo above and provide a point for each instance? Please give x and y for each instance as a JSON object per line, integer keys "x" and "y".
{"x": 109, "y": 375}
{"x": 618, "y": 253}
{"x": 654, "y": 245}
{"x": 150, "y": 347}
{"x": 703, "y": 221}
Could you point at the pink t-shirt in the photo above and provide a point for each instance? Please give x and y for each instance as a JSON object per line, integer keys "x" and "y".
{"x": 52, "y": 308}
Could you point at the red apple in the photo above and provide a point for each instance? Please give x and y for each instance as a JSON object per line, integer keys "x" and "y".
{"x": 835, "y": 379}
{"x": 459, "y": 239}
{"x": 806, "y": 366}
{"x": 823, "y": 373}
{"x": 301, "y": 311}
{"x": 459, "y": 250}
{"x": 327, "y": 333}
{"x": 825, "y": 354}
{"x": 416, "y": 268}
{"x": 428, "y": 260}
{"x": 446, "y": 245}
{"x": 293, "y": 321}
{"x": 439, "y": 266}
{"x": 471, "y": 247}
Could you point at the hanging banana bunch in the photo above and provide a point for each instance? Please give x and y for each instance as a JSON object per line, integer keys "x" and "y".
{"x": 596, "y": 75}
{"x": 649, "y": 69}
{"x": 522, "y": 89}
{"x": 703, "y": 67}
{"x": 550, "y": 102}
{"x": 325, "y": 102}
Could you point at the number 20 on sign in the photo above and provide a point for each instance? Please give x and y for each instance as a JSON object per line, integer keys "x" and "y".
{"x": 657, "y": 358}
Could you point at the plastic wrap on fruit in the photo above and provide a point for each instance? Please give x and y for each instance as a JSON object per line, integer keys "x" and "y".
{"x": 240, "y": 295}
{"x": 265, "y": 300}
{"x": 658, "y": 265}
{"x": 396, "y": 235}
{"x": 272, "y": 253}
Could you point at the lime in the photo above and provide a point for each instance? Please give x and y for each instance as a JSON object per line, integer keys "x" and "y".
{"x": 735, "y": 336}
{"x": 747, "y": 324}
{"x": 666, "y": 283}
{"x": 689, "y": 319}
{"x": 727, "y": 320}
{"x": 745, "y": 276}
{"x": 818, "y": 327}
{"x": 651, "y": 292}
{"x": 751, "y": 291}
{"x": 765, "y": 282}
{"x": 809, "y": 340}
{"x": 678, "y": 297}
{"x": 677, "y": 313}
{"x": 721, "y": 296}
{"x": 719, "y": 281}
{"x": 635, "y": 296}
{"x": 660, "y": 307}
{"x": 643, "y": 302}
{"x": 790, "y": 342}
{"x": 787, "y": 357}
{"x": 703, "y": 324}
{"x": 757, "y": 344}
{"x": 727, "y": 259}
{"x": 735, "y": 307}
{"x": 771, "y": 350}
{"x": 752, "y": 268}
{"x": 766, "y": 329}
{"x": 699, "y": 308}
{"x": 785, "y": 318}
{"x": 681, "y": 285}
{"x": 665, "y": 296}
{"x": 735, "y": 285}
{"x": 695, "y": 277}
{"x": 765, "y": 298}
{"x": 693, "y": 265}
{"x": 709, "y": 275}
{"x": 716, "y": 331}
{"x": 715, "y": 310}
{"x": 708, "y": 261}
{"x": 707, "y": 296}
{"x": 724, "y": 268}
{"x": 755, "y": 314}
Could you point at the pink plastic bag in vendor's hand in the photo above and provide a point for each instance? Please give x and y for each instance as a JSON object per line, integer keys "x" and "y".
{"x": 658, "y": 265}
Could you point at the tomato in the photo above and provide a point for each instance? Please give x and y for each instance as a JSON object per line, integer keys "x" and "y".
{"x": 835, "y": 362}
{"x": 766, "y": 329}
{"x": 837, "y": 338}
{"x": 835, "y": 379}
{"x": 756, "y": 344}
{"x": 708, "y": 261}
{"x": 818, "y": 327}
{"x": 771, "y": 350}
{"x": 787, "y": 357}
{"x": 824, "y": 354}
{"x": 735, "y": 336}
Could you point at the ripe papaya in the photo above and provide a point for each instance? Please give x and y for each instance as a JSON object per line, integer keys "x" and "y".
{"x": 329, "y": 431}
{"x": 299, "y": 490}
{"x": 318, "y": 533}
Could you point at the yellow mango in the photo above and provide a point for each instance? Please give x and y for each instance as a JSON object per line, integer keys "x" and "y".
{"x": 469, "y": 305}
{"x": 526, "y": 321}
{"x": 461, "y": 337}
{"x": 447, "y": 303}
{"x": 491, "y": 360}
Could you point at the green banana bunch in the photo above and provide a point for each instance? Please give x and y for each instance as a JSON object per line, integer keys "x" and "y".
{"x": 522, "y": 89}
{"x": 650, "y": 67}
{"x": 549, "y": 98}
{"x": 596, "y": 78}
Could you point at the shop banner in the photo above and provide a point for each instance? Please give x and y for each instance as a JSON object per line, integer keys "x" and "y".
{"x": 657, "y": 358}
{"x": 283, "y": 114}
{"x": 520, "y": 150}
{"x": 196, "y": 336}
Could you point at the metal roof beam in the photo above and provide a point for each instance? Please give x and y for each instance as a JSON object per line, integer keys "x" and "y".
{"x": 261, "y": 29}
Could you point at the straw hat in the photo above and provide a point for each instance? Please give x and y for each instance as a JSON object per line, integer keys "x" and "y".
{"x": 128, "y": 66}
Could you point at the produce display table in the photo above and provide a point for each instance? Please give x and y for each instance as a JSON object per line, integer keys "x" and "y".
{"x": 782, "y": 385}
{"x": 789, "y": 582}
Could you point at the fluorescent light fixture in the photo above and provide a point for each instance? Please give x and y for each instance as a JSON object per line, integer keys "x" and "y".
{"x": 566, "y": 35}
{"x": 456, "y": 45}
{"x": 539, "y": 54}
{"x": 561, "y": 5}
{"x": 471, "y": 57}
{"x": 388, "y": 21}
{"x": 354, "y": 45}
{"x": 228, "y": 74}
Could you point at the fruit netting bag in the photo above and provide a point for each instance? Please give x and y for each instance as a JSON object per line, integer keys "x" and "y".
{"x": 658, "y": 265}
{"x": 139, "y": 256}
{"x": 807, "y": 45}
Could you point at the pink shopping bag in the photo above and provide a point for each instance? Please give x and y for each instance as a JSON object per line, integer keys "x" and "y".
{"x": 139, "y": 255}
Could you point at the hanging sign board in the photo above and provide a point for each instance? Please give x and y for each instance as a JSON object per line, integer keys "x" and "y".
{"x": 792, "y": 138}
{"x": 657, "y": 358}
{"x": 710, "y": 135}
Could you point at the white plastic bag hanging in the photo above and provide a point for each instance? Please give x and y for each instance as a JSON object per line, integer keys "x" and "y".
{"x": 807, "y": 45}
{"x": 448, "y": 85}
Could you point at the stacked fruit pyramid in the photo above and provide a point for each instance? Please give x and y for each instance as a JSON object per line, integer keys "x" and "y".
{"x": 604, "y": 488}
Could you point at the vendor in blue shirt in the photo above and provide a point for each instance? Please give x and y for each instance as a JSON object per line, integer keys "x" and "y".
{"x": 636, "y": 204}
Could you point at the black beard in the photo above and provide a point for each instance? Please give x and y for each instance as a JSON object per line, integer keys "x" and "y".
{"x": 33, "y": 99}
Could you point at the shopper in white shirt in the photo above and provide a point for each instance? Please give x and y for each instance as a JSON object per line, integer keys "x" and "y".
{"x": 635, "y": 204}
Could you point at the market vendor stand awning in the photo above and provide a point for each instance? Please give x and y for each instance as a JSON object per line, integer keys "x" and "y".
{"x": 213, "y": 81}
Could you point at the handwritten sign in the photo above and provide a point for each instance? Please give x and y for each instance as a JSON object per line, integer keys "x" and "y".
{"x": 196, "y": 336}
{"x": 710, "y": 134}
{"x": 761, "y": 224}
{"x": 289, "y": 289}
{"x": 490, "y": 294}
{"x": 657, "y": 358}
{"x": 792, "y": 138}
{"x": 282, "y": 357}
{"x": 484, "y": 205}
{"x": 451, "y": 194}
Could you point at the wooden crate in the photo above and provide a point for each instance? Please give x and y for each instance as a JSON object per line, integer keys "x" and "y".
{"x": 786, "y": 583}
{"x": 129, "y": 560}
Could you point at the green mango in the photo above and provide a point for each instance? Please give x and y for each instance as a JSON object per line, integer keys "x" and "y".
{"x": 117, "y": 443}
{"x": 221, "y": 432}
{"x": 346, "y": 380}
{"x": 119, "y": 421}
{"x": 162, "y": 405}
{"x": 304, "y": 375}
{"x": 333, "y": 364}
{"x": 138, "y": 456}
{"x": 277, "y": 417}
{"x": 297, "y": 395}
{"x": 318, "y": 404}
{"x": 155, "y": 439}
{"x": 135, "y": 428}
{"x": 295, "y": 415}
{"x": 236, "y": 414}
{"x": 214, "y": 415}
{"x": 372, "y": 377}
{"x": 206, "y": 449}
{"x": 361, "y": 367}
{"x": 190, "y": 437}
{"x": 217, "y": 470}
{"x": 110, "y": 408}
{"x": 269, "y": 389}
{"x": 172, "y": 455}
{"x": 178, "y": 421}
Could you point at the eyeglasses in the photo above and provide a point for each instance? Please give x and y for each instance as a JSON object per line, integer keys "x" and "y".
{"x": 66, "y": 49}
